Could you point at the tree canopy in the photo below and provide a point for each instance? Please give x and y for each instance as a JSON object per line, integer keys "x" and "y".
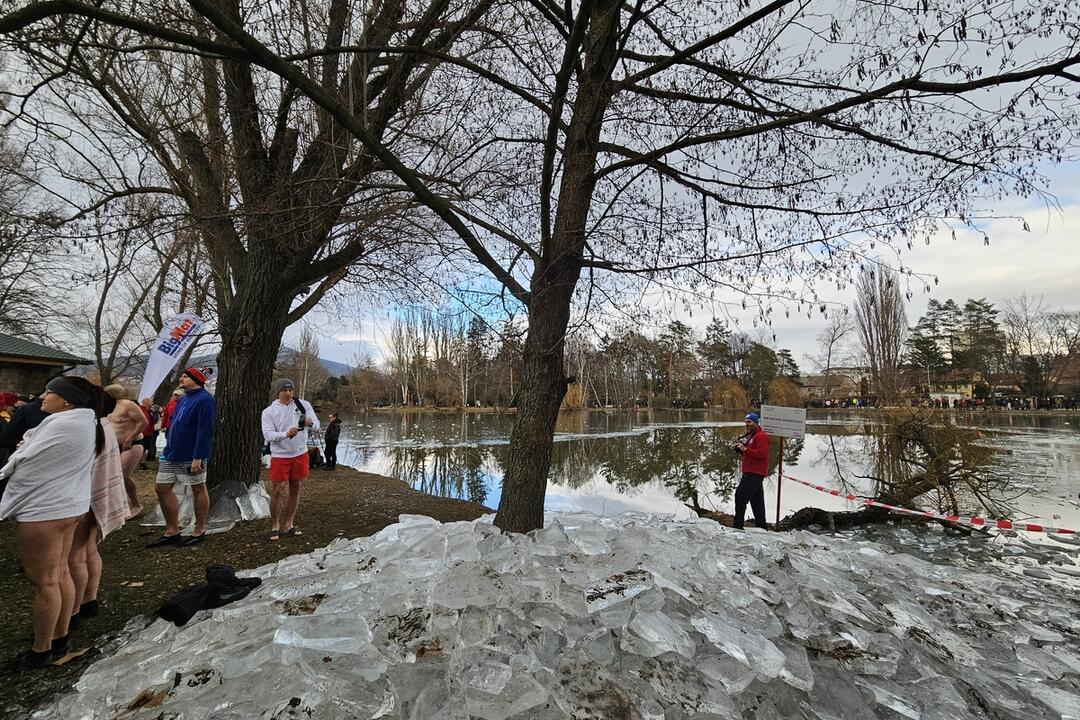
{"x": 696, "y": 146}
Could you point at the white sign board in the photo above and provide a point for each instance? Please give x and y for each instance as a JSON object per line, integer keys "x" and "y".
{"x": 783, "y": 421}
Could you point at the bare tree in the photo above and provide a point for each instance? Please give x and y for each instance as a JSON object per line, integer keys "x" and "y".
{"x": 34, "y": 266}
{"x": 366, "y": 385}
{"x": 831, "y": 339}
{"x": 398, "y": 357}
{"x": 287, "y": 203}
{"x": 1039, "y": 341}
{"x": 882, "y": 326}
{"x": 682, "y": 143}
{"x": 128, "y": 257}
{"x": 303, "y": 365}
{"x": 465, "y": 357}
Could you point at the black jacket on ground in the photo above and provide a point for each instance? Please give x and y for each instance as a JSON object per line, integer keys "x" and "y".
{"x": 221, "y": 588}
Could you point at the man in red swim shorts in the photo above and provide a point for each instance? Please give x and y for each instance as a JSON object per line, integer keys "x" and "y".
{"x": 285, "y": 426}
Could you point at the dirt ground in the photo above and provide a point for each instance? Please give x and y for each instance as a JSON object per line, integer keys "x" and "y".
{"x": 136, "y": 580}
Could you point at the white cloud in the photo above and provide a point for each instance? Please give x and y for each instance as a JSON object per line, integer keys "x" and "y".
{"x": 1043, "y": 261}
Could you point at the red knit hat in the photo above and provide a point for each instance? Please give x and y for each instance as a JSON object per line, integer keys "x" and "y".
{"x": 198, "y": 374}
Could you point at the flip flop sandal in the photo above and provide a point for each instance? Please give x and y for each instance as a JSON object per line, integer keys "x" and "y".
{"x": 294, "y": 532}
{"x": 274, "y": 535}
{"x": 165, "y": 540}
{"x": 194, "y": 540}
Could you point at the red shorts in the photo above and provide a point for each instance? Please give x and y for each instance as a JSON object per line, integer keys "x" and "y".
{"x": 285, "y": 469}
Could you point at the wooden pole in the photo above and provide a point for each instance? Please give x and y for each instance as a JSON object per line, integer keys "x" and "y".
{"x": 779, "y": 479}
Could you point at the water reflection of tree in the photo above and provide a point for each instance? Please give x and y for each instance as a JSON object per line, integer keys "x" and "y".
{"x": 455, "y": 472}
{"x": 911, "y": 459}
{"x": 695, "y": 464}
{"x": 360, "y": 455}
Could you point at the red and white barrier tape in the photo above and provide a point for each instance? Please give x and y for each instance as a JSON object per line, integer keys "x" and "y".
{"x": 976, "y": 521}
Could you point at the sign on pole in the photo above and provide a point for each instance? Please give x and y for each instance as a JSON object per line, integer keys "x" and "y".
{"x": 783, "y": 421}
{"x": 172, "y": 341}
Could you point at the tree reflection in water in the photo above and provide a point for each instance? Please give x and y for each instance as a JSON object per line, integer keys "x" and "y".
{"x": 915, "y": 459}
{"x": 455, "y": 472}
{"x": 686, "y": 456}
{"x": 695, "y": 464}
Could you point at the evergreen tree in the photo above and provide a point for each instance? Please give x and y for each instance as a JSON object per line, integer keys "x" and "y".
{"x": 923, "y": 349}
{"x": 786, "y": 365}
{"x": 715, "y": 352}
{"x": 760, "y": 368}
{"x": 982, "y": 341}
{"x": 947, "y": 320}
{"x": 677, "y": 364}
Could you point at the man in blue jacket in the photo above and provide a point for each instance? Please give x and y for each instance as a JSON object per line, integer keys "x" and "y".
{"x": 187, "y": 447}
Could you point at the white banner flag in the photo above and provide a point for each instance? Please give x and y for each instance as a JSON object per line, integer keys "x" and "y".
{"x": 172, "y": 341}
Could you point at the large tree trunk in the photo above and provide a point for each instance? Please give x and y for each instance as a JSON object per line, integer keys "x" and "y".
{"x": 543, "y": 381}
{"x": 540, "y": 393}
{"x": 251, "y": 332}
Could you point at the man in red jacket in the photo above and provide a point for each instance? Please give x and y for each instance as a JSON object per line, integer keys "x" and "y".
{"x": 754, "y": 447}
{"x": 169, "y": 409}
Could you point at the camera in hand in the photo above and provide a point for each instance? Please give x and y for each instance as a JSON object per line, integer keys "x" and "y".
{"x": 300, "y": 425}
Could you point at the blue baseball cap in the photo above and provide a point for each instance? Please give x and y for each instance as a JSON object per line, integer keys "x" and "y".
{"x": 753, "y": 417}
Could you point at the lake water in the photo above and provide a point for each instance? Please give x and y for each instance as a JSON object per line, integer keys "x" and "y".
{"x": 613, "y": 462}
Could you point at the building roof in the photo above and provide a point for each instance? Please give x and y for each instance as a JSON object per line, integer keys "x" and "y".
{"x": 11, "y": 346}
{"x": 1068, "y": 371}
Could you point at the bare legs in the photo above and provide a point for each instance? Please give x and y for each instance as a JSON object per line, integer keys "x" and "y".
{"x": 170, "y": 507}
{"x": 45, "y": 547}
{"x": 277, "y": 499}
{"x": 201, "y": 500}
{"x": 84, "y": 562}
{"x": 292, "y": 504}
{"x": 129, "y": 460}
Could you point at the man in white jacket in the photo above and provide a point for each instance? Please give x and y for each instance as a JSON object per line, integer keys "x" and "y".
{"x": 285, "y": 426}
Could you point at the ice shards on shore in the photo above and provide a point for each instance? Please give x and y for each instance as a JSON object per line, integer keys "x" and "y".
{"x": 635, "y": 617}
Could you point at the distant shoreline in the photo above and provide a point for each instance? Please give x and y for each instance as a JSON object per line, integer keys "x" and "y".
{"x": 952, "y": 411}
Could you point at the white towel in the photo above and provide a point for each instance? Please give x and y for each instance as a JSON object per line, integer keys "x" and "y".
{"x": 49, "y": 476}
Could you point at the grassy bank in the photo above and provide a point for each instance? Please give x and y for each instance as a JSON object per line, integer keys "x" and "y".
{"x": 136, "y": 580}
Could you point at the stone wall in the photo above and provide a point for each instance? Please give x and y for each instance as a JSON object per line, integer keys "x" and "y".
{"x": 20, "y": 378}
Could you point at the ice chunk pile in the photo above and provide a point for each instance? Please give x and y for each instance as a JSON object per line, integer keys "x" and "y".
{"x": 630, "y": 617}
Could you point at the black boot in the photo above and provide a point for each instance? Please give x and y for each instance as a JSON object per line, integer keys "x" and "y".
{"x": 60, "y": 646}
{"x": 30, "y": 660}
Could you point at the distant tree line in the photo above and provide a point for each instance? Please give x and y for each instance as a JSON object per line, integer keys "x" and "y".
{"x": 1024, "y": 343}
{"x": 436, "y": 358}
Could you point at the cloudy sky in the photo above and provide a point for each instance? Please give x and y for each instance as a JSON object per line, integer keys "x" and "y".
{"x": 1043, "y": 261}
{"x": 1040, "y": 261}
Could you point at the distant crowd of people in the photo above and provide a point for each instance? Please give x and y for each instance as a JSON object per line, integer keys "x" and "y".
{"x": 67, "y": 463}
{"x": 1058, "y": 402}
